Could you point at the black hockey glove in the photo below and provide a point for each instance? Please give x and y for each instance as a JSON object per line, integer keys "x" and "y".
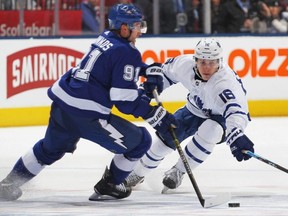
{"x": 238, "y": 142}
{"x": 154, "y": 79}
{"x": 161, "y": 120}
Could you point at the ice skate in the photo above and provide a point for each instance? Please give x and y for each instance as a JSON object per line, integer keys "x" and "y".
{"x": 133, "y": 179}
{"x": 172, "y": 179}
{"x": 8, "y": 191}
{"x": 105, "y": 190}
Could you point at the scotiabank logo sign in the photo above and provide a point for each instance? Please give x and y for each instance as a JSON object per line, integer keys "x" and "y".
{"x": 32, "y": 30}
{"x": 69, "y": 23}
{"x": 38, "y": 67}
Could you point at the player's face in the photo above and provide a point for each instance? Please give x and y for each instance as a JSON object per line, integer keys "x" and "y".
{"x": 135, "y": 32}
{"x": 131, "y": 35}
{"x": 207, "y": 68}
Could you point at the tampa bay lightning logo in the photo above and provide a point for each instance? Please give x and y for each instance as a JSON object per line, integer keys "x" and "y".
{"x": 200, "y": 104}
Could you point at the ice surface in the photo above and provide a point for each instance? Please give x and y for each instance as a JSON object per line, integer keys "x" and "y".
{"x": 64, "y": 187}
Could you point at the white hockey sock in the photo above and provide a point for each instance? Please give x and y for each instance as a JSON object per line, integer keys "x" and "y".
{"x": 123, "y": 163}
{"x": 31, "y": 163}
{"x": 202, "y": 144}
{"x": 152, "y": 158}
{"x": 196, "y": 152}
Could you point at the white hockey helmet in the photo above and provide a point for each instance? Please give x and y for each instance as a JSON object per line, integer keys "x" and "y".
{"x": 208, "y": 48}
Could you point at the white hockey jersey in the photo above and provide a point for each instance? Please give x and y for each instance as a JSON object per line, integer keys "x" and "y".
{"x": 223, "y": 94}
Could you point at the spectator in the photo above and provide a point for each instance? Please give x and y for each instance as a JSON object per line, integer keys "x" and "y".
{"x": 215, "y": 14}
{"x": 15, "y": 4}
{"x": 278, "y": 24}
{"x": 180, "y": 16}
{"x": 236, "y": 16}
{"x": 8, "y": 5}
{"x": 69, "y": 4}
{"x": 284, "y": 4}
{"x": 90, "y": 16}
{"x": 172, "y": 16}
{"x": 270, "y": 19}
{"x": 147, "y": 9}
{"x": 194, "y": 15}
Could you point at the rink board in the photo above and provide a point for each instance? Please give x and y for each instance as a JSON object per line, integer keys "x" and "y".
{"x": 29, "y": 67}
{"x": 39, "y": 115}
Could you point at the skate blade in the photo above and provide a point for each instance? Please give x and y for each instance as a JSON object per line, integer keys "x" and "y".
{"x": 99, "y": 197}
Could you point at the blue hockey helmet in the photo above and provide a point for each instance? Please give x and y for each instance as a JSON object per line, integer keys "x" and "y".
{"x": 126, "y": 14}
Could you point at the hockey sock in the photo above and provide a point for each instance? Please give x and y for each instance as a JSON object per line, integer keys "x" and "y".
{"x": 202, "y": 144}
{"x": 152, "y": 158}
{"x": 121, "y": 167}
{"x": 25, "y": 169}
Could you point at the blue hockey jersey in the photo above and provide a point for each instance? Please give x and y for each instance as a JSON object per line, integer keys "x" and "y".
{"x": 107, "y": 75}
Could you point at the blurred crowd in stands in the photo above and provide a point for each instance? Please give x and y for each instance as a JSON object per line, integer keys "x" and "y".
{"x": 249, "y": 16}
{"x": 179, "y": 16}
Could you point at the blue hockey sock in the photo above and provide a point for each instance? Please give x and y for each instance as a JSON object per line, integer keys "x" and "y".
{"x": 118, "y": 175}
{"x": 19, "y": 174}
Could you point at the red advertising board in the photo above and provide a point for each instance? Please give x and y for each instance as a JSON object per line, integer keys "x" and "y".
{"x": 40, "y": 23}
{"x": 38, "y": 67}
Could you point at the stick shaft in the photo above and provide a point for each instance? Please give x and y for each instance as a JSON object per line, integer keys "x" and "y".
{"x": 187, "y": 168}
{"x": 258, "y": 157}
{"x": 182, "y": 156}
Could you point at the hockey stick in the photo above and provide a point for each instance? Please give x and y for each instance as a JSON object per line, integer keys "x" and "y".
{"x": 258, "y": 157}
{"x": 206, "y": 203}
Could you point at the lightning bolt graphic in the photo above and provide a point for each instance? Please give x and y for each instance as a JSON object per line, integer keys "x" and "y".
{"x": 115, "y": 135}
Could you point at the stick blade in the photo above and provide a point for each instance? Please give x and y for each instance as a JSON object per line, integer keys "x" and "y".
{"x": 219, "y": 199}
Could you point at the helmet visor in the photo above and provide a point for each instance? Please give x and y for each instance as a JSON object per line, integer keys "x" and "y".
{"x": 140, "y": 26}
{"x": 143, "y": 27}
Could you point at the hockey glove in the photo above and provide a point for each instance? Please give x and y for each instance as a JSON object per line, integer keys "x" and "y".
{"x": 161, "y": 120}
{"x": 154, "y": 79}
{"x": 238, "y": 142}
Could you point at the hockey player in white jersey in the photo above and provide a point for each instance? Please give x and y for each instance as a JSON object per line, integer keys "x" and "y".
{"x": 216, "y": 111}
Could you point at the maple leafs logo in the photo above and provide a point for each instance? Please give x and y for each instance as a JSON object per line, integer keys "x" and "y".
{"x": 199, "y": 103}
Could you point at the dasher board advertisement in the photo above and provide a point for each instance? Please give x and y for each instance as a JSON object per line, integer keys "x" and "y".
{"x": 30, "y": 66}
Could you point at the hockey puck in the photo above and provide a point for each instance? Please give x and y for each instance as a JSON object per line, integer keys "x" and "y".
{"x": 234, "y": 205}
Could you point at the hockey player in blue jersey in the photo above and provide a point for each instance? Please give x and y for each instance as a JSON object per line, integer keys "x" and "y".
{"x": 216, "y": 111}
{"x": 82, "y": 101}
